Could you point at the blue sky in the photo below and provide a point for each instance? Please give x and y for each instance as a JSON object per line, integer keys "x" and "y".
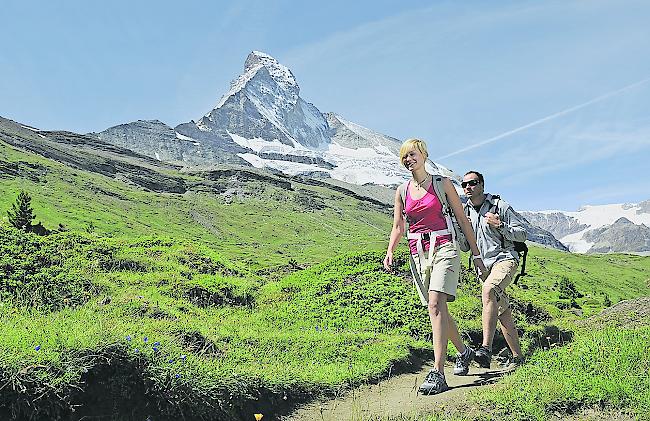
{"x": 456, "y": 74}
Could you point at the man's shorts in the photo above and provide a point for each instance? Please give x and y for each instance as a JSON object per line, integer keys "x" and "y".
{"x": 501, "y": 275}
{"x": 439, "y": 274}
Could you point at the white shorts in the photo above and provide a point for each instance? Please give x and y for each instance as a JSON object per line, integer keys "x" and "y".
{"x": 440, "y": 274}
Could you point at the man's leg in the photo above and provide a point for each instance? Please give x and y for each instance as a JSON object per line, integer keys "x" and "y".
{"x": 489, "y": 316}
{"x": 510, "y": 332}
{"x": 493, "y": 299}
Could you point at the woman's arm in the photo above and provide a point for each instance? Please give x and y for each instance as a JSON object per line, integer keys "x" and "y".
{"x": 457, "y": 207}
{"x": 397, "y": 231}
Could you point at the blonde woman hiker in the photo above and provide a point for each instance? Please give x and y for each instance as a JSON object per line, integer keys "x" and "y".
{"x": 427, "y": 203}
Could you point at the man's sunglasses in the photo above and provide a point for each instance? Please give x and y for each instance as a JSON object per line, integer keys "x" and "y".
{"x": 472, "y": 183}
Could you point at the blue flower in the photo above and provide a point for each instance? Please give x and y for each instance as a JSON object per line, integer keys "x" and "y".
{"x": 37, "y": 348}
{"x": 156, "y": 343}
{"x": 183, "y": 357}
{"x": 128, "y": 338}
{"x": 137, "y": 350}
{"x": 145, "y": 339}
{"x": 155, "y": 349}
{"x": 170, "y": 361}
{"x": 178, "y": 376}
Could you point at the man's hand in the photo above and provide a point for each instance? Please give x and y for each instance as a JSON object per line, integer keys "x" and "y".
{"x": 388, "y": 261}
{"x": 481, "y": 270}
{"x": 493, "y": 220}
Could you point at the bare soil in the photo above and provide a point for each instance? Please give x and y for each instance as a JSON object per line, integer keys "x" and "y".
{"x": 397, "y": 396}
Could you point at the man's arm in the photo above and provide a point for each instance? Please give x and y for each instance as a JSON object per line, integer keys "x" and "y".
{"x": 512, "y": 226}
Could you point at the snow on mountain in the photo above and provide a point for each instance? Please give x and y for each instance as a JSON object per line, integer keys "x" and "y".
{"x": 363, "y": 165}
{"x": 577, "y": 230}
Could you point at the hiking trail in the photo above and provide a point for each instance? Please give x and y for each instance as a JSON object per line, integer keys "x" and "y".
{"x": 398, "y": 396}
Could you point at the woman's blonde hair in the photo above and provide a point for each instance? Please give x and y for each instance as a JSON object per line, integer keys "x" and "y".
{"x": 411, "y": 144}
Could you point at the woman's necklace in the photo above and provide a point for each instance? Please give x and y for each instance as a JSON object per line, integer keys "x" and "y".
{"x": 418, "y": 184}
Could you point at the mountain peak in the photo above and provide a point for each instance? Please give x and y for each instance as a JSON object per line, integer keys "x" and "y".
{"x": 280, "y": 73}
{"x": 256, "y": 61}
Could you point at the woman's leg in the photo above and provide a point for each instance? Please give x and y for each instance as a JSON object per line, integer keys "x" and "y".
{"x": 439, "y": 316}
{"x": 454, "y": 335}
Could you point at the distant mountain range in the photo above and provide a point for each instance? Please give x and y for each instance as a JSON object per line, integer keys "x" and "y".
{"x": 599, "y": 229}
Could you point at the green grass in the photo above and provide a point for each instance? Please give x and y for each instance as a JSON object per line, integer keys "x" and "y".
{"x": 601, "y": 368}
{"x": 279, "y": 292}
{"x": 247, "y": 337}
{"x": 333, "y": 325}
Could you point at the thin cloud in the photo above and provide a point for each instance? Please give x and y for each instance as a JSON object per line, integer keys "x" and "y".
{"x": 545, "y": 119}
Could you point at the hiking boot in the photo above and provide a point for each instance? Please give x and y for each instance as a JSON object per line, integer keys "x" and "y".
{"x": 461, "y": 367}
{"x": 433, "y": 383}
{"x": 483, "y": 357}
{"x": 512, "y": 363}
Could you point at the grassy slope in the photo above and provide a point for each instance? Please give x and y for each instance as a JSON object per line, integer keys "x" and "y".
{"x": 262, "y": 230}
{"x": 226, "y": 297}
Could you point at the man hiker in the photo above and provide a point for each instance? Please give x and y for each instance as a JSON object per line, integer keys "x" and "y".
{"x": 497, "y": 227}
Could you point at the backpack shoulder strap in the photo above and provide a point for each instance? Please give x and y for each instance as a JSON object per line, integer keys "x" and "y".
{"x": 402, "y": 193}
{"x": 495, "y": 206}
{"x": 495, "y": 209}
{"x": 436, "y": 182}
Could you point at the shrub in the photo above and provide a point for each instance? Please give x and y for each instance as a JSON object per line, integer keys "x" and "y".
{"x": 42, "y": 272}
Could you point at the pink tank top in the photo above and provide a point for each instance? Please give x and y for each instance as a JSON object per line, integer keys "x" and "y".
{"x": 425, "y": 215}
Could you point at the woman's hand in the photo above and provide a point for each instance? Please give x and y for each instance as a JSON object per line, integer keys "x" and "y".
{"x": 388, "y": 261}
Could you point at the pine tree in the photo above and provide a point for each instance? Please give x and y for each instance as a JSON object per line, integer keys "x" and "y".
{"x": 22, "y": 214}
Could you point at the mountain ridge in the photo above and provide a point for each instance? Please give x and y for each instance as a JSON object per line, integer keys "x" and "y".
{"x": 621, "y": 227}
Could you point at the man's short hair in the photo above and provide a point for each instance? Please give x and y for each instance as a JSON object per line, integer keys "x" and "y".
{"x": 478, "y": 174}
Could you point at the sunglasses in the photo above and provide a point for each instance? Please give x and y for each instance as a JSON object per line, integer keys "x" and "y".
{"x": 472, "y": 183}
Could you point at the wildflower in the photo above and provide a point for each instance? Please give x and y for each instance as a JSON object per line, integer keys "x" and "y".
{"x": 137, "y": 350}
{"x": 128, "y": 338}
{"x": 258, "y": 417}
{"x": 183, "y": 357}
{"x": 317, "y": 329}
{"x": 145, "y": 339}
{"x": 155, "y": 349}
{"x": 170, "y": 361}
{"x": 156, "y": 343}
{"x": 37, "y": 348}
{"x": 178, "y": 376}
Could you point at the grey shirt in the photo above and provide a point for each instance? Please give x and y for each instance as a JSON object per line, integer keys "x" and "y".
{"x": 496, "y": 244}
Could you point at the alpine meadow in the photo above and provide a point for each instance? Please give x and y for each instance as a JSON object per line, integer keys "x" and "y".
{"x": 162, "y": 294}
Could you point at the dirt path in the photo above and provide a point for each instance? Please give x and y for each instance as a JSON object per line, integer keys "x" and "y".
{"x": 397, "y": 396}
